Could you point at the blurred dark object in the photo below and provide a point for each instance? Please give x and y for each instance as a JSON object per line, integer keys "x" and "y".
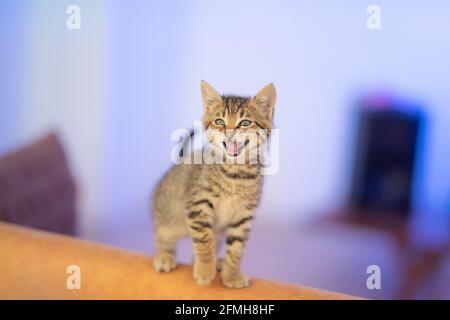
{"x": 389, "y": 138}
{"x": 384, "y": 161}
{"x": 37, "y": 189}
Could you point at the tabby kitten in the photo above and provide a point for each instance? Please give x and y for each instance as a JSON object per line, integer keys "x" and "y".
{"x": 206, "y": 201}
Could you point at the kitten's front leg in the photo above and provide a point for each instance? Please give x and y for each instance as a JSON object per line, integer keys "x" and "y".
{"x": 237, "y": 234}
{"x": 200, "y": 221}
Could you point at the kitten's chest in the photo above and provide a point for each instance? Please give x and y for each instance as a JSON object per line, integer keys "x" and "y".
{"x": 227, "y": 208}
{"x": 233, "y": 201}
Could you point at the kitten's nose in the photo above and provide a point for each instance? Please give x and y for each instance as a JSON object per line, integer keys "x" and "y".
{"x": 229, "y": 134}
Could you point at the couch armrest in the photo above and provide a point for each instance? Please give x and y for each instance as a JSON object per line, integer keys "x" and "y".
{"x": 33, "y": 265}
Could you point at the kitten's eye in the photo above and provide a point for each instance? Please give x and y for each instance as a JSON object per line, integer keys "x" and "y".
{"x": 245, "y": 123}
{"x": 220, "y": 122}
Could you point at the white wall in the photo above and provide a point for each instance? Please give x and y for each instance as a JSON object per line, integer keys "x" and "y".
{"x": 60, "y": 88}
{"x": 118, "y": 87}
{"x": 12, "y": 51}
{"x": 321, "y": 57}
{"x": 141, "y": 103}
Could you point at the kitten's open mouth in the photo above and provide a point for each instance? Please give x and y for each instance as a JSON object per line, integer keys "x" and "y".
{"x": 234, "y": 149}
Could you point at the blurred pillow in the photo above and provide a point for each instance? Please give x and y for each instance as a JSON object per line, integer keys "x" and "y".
{"x": 37, "y": 189}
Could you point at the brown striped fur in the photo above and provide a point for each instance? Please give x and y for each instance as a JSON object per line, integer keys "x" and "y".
{"x": 207, "y": 201}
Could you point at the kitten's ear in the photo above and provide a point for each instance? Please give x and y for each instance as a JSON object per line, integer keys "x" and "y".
{"x": 266, "y": 98}
{"x": 211, "y": 98}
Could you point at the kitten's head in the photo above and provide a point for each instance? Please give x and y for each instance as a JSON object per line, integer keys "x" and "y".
{"x": 236, "y": 126}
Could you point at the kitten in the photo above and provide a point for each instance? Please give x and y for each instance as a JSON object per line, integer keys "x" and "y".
{"x": 204, "y": 200}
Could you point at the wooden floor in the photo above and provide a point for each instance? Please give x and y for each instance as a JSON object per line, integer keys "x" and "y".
{"x": 326, "y": 256}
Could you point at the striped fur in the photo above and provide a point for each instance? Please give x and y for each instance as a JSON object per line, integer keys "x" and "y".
{"x": 205, "y": 201}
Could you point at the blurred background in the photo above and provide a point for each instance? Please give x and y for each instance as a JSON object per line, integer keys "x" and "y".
{"x": 363, "y": 115}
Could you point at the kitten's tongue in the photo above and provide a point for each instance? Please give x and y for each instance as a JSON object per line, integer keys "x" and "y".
{"x": 232, "y": 148}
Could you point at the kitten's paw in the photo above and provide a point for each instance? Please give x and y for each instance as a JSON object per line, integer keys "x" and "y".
{"x": 164, "y": 262}
{"x": 239, "y": 281}
{"x": 204, "y": 272}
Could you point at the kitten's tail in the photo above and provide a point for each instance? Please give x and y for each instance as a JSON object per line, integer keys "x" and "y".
{"x": 187, "y": 139}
